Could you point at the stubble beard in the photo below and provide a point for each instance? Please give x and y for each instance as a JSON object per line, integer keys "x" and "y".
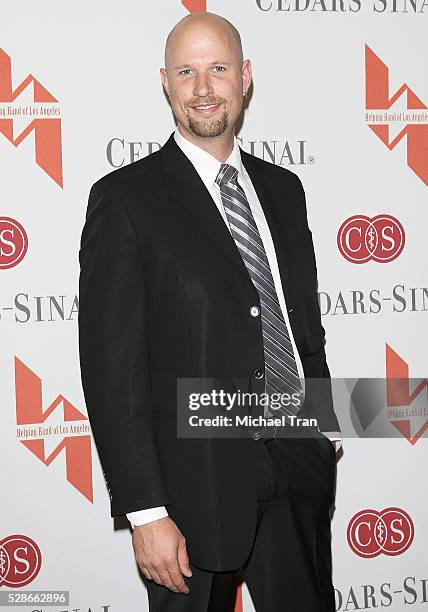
{"x": 208, "y": 128}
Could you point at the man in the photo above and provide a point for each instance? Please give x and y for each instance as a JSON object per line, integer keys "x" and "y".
{"x": 197, "y": 262}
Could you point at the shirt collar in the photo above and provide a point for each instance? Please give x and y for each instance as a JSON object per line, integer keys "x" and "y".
{"x": 206, "y": 165}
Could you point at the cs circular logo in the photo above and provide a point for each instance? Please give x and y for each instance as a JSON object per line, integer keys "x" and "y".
{"x": 371, "y": 533}
{"x": 362, "y": 238}
{"x": 13, "y": 243}
{"x": 20, "y": 561}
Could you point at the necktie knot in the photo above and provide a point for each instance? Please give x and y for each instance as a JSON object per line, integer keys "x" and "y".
{"x": 226, "y": 174}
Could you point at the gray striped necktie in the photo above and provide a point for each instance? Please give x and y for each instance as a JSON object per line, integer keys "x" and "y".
{"x": 281, "y": 374}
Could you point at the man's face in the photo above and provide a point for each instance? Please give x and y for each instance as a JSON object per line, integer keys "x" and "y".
{"x": 205, "y": 80}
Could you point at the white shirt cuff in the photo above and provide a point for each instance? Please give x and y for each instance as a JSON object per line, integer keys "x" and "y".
{"x": 141, "y": 517}
{"x": 334, "y": 436}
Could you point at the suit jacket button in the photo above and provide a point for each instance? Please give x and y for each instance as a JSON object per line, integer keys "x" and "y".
{"x": 259, "y": 374}
{"x": 254, "y": 311}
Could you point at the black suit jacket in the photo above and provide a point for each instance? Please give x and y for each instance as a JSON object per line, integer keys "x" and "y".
{"x": 164, "y": 294}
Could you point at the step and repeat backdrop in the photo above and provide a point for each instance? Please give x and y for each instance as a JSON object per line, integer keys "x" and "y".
{"x": 340, "y": 97}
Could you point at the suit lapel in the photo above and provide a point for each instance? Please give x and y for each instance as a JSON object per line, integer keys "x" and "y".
{"x": 270, "y": 203}
{"x": 188, "y": 190}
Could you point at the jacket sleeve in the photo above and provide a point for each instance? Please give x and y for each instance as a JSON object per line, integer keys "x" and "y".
{"x": 114, "y": 359}
{"x": 323, "y": 405}
{"x": 327, "y": 419}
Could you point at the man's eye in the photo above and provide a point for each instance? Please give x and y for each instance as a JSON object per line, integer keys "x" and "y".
{"x": 219, "y": 68}
{"x": 185, "y": 71}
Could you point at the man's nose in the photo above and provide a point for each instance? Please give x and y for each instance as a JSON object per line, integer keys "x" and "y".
{"x": 203, "y": 86}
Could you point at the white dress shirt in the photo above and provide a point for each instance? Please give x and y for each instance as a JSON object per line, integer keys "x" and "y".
{"x": 208, "y": 167}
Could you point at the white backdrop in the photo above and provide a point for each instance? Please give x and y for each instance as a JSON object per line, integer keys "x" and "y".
{"x": 95, "y": 67}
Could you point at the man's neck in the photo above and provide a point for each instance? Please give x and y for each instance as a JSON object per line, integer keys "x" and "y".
{"x": 219, "y": 147}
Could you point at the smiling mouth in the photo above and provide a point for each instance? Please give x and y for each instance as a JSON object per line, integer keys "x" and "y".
{"x": 205, "y": 108}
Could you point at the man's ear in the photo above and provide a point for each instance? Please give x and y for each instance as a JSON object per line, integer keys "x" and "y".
{"x": 164, "y": 79}
{"x": 246, "y": 75}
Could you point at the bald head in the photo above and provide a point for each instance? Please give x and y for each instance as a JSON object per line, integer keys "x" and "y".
{"x": 206, "y": 78}
{"x": 197, "y": 26}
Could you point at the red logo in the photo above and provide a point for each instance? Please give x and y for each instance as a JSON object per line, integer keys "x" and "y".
{"x": 371, "y": 533}
{"x": 362, "y": 238}
{"x": 41, "y": 115}
{"x": 13, "y": 243}
{"x": 71, "y": 436}
{"x": 195, "y": 6}
{"x": 20, "y": 561}
{"x": 410, "y": 422}
{"x": 392, "y": 118}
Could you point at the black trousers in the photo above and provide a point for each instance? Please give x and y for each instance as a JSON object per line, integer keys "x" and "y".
{"x": 289, "y": 568}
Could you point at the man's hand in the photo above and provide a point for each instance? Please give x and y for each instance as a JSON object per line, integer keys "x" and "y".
{"x": 160, "y": 551}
